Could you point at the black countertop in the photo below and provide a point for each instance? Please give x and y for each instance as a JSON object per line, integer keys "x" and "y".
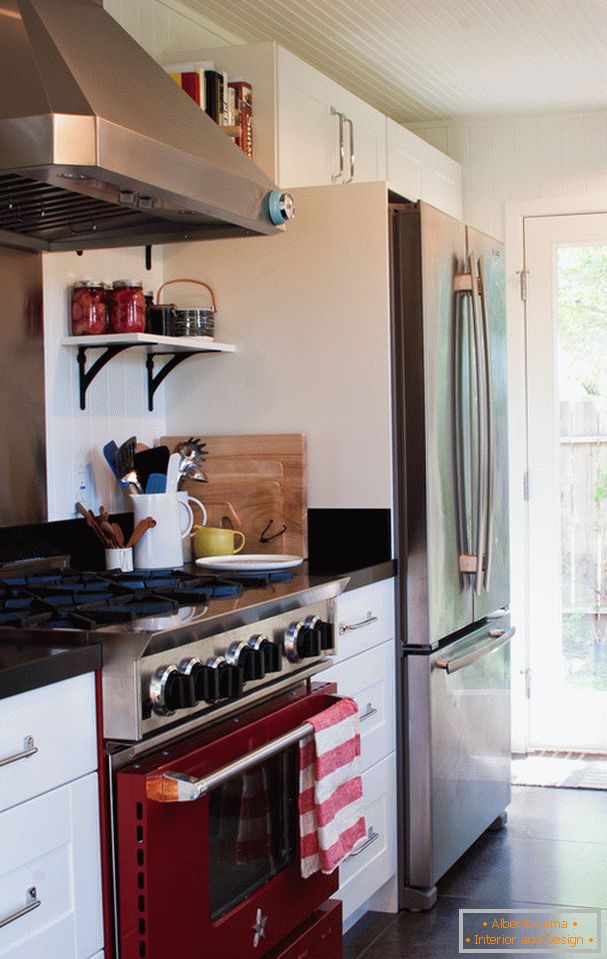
{"x": 28, "y": 662}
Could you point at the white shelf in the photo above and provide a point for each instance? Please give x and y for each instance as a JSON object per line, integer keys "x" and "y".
{"x": 174, "y": 344}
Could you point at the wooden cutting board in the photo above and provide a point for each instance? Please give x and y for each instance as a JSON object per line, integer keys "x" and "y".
{"x": 262, "y": 477}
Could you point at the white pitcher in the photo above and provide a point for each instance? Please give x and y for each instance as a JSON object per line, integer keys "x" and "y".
{"x": 161, "y": 547}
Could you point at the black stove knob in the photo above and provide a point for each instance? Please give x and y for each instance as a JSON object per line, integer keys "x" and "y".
{"x": 249, "y": 659}
{"x": 230, "y": 677}
{"x": 205, "y": 679}
{"x": 303, "y": 640}
{"x": 272, "y": 653}
{"x": 170, "y": 689}
{"x": 327, "y": 640}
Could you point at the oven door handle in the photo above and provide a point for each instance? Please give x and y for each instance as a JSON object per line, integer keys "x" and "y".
{"x": 175, "y": 787}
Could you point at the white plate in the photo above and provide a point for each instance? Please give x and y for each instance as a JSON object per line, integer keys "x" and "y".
{"x": 251, "y": 562}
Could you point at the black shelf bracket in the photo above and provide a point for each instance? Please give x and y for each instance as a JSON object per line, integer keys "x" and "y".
{"x": 155, "y": 381}
{"x": 86, "y": 377}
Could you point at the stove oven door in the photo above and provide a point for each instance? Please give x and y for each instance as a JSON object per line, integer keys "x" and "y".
{"x": 219, "y": 875}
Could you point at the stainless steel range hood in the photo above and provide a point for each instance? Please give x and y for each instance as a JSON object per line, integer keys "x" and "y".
{"x": 98, "y": 145}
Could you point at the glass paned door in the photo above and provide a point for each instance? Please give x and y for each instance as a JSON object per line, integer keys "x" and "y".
{"x": 567, "y": 412}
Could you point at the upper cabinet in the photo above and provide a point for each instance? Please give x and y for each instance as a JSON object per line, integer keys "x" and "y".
{"x": 309, "y": 131}
{"x": 419, "y": 171}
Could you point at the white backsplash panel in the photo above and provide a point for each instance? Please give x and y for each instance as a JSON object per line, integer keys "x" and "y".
{"x": 116, "y": 402}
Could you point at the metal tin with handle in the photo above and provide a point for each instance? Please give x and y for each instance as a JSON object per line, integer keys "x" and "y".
{"x": 197, "y": 321}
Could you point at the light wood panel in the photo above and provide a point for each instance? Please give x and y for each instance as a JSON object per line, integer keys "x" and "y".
{"x": 258, "y": 482}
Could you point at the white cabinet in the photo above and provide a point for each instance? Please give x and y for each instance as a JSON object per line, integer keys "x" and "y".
{"x": 50, "y": 868}
{"x": 49, "y": 737}
{"x": 296, "y": 124}
{"x": 418, "y": 171}
{"x": 365, "y": 669}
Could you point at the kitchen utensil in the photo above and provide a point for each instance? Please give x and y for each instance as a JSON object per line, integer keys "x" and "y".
{"x": 125, "y": 464}
{"x": 119, "y": 559}
{"x": 280, "y": 457}
{"x": 142, "y": 527}
{"x": 118, "y": 534}
{"x": 152, "y": 460}
{"x": 108, "y": 530}
{"x": 157, "y": 483}
{"x": 251, "y": 562}
{"x": 214, "y": 541}
{"x": 192, "y": 472}
{"x": 186, "y": 543}
{"x": 109, "y": 451}
{"x": 173, "y": 473}
{"x": 161, "y": 547}
{"x": 199, "y": 321}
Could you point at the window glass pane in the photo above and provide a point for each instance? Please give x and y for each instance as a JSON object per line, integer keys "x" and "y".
{"x": 582, "y": 377}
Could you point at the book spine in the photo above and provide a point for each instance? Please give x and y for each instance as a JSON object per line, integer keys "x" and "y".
{"x": 176, "y": 77}
{"x": 213, "y": 94}
{"x": 225, "y": 120}
{"x": 243, "y": 93}
{"x": 190, "y": 84}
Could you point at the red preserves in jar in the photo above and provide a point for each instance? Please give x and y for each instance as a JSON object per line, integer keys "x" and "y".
{"x": 89, "y": 309}
{"x": 128, "y": 307}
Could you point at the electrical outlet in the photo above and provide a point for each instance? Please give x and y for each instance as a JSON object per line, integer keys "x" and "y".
{"x": 84, "y": 484}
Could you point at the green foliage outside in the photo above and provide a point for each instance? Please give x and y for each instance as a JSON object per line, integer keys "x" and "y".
{"x": 582, "y": 327}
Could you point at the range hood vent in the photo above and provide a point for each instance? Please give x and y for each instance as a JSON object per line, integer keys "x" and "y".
{"x": 100, "y": 148}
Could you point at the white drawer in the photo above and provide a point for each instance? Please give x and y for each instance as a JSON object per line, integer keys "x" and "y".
{"x": 364, "y": 618}
{"x": 60, "y": 720}
{"x": 366, "y": 871}
{"x": 369, "y": 679}
{"x": 51, "y": 845}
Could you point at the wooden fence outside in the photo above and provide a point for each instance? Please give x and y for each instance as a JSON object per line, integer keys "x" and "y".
{"x": 584, "y": 509}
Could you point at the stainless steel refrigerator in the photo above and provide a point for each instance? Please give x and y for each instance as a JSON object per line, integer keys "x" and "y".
{"x": 451, "y": 464}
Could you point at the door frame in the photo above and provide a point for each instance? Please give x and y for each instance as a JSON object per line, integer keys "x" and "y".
{"x": 515, "y": 214}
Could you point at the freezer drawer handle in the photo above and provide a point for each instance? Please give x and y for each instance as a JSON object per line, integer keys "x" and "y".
{"x": 371, "y": 837}
{"x": 32, "y": 903}
{"x": 348, "y": 627}
{"x": 175, "y": 787}
{"x": 28, "y": 750}
{"x": 501, "y": 638}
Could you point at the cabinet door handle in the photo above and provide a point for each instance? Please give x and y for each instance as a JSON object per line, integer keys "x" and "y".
{"x": 28, "y": 750}
{"x": 351, "y": 125}
{"x": 371, "y": 837}
{"x": 342, "y": 150}
{"x": 32, "y": 903}
{"x": 370, "y": 711}
{"x": 348, "y": 627}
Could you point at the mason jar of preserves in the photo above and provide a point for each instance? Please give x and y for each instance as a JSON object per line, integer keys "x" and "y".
{"x": 128, "y": 307}
{"x": 89, "y": 309}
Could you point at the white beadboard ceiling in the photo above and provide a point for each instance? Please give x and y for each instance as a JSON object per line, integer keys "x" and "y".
{"x": 428, "y": 59}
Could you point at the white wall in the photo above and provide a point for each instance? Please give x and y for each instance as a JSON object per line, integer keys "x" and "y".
{"x": 309, "y": 314}
{"x": 558, "y": 156}
{"x": 165, "y": 27}
{"x": 116, "y": 402}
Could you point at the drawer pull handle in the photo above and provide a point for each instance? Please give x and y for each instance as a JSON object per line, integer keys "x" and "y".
{"x": 370, "y": 711}
{"x": 28, "y": 750}
{"x": 32, "y": 903}
{"x": 348, "y": 627}
{"x": 371, "y": 837}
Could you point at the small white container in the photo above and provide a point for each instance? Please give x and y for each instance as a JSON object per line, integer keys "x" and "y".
{"x": 121, "y": 559}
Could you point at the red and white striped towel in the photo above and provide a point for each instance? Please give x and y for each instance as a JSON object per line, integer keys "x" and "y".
{"x": 331, "y": 822}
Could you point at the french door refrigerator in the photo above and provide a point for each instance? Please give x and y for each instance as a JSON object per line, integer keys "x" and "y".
{"x": 450, "y": 438}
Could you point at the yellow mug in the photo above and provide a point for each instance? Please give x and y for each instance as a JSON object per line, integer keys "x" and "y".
{"x": 212, "y": 541}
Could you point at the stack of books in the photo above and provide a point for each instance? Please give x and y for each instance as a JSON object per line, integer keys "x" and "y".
{"x": 228, "y": 102}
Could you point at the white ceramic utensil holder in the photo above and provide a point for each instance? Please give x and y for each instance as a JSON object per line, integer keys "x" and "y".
{"x": 160, "y": 547}
{"x": 121, "y": 559}
{"x": 185, "y": 500}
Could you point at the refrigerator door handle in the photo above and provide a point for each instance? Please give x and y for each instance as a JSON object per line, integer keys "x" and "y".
{"x": 467, "y": 561}
{"x": 461, "y": 662}
{"x": 490, "y": 414}
{"x": 481, "y": 498}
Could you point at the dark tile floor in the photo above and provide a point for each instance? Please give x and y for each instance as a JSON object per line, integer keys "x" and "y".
{"x": 554, "y": 851}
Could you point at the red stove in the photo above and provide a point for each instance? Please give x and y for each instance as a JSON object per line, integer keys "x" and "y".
{"x": 204, "y": 695}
